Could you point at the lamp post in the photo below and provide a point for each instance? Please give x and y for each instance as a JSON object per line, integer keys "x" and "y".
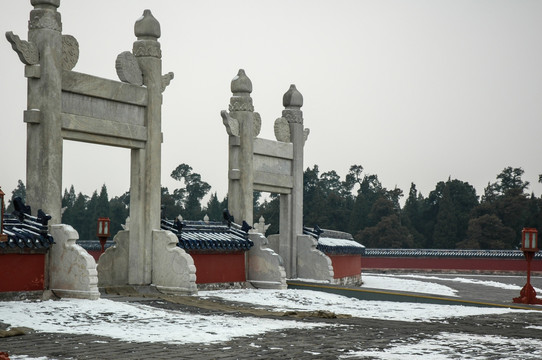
{"x": 529, "y": 246}
{"x": 3, "y": 237}
{"x": 103, "y": 231}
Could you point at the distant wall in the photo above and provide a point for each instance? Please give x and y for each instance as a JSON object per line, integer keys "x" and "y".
{"x": 459, "y": 260}
{"x": 513, "y": 265}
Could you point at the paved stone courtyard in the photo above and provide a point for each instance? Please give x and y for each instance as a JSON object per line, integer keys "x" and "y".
{"x": 341, "y": 339}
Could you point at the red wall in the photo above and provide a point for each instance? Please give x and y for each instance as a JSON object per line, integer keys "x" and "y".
{"x": 219, "y": 268}
{"x": 450, "y": 264}
{"x": 345, "y": 265}
{"x": 22, "y": 272}
{"x": 95, "y": 254}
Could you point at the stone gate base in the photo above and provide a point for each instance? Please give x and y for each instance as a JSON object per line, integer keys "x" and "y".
{"x": 173, "y": 270}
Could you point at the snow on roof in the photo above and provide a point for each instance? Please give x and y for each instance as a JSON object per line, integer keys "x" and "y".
{"x": 339, "y": 242}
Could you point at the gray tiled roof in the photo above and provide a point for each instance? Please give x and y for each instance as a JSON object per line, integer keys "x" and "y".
{"x": 334, "y": 242}
{"x": 443, "y": 253}
{"x": 26, "y": 234}
{"x": 205, "y": 237}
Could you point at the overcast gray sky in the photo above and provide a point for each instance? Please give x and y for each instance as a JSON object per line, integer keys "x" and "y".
{"x": 414, "y": 91}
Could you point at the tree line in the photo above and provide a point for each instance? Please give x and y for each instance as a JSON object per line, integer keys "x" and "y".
{"x": 451, "y": 216}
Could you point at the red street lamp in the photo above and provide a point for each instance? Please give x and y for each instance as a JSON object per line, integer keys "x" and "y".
{"x": 103, "y": 231}
{"x": 3, "y": 237}
{"x": 529, "y": 246}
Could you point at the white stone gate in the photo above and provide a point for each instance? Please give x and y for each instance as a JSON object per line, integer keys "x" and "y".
{"x": 63, "y": 104}
{"x": 257, "y": 164}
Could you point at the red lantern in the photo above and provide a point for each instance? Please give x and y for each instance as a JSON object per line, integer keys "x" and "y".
{"x": 103, "y": 231}
{"x": 529, "y": 239}
{"x": 529, "y": 246}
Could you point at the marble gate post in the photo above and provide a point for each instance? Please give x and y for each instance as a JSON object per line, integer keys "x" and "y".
{"x": 146, "y": 163}
{"x": 44, "y": 144}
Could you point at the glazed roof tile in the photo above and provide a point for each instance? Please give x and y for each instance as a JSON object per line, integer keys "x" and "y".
{"x": 26, "y": 233}
{"x": 201, "y": 236}
{"x": 445, "y": 253}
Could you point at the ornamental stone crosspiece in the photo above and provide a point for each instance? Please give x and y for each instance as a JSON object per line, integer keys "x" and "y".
{"x": 231, "y": 124}
{"x": 27, "y": 51}
{"x": 70, "y": 52}
{"x": 166, "y": 79}
{"x": 45, "y": 17}
{"x": 128, "y": 69}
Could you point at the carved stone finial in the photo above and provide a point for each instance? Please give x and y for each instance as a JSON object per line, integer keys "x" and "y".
{"x": 206, "y": 219}
{"x": 39, "y": 3}
{"x": 260, "y": 226}
{"x": 147, "y": 30}
{"x": 292, "y": 101}
{"x": 27, "y": 51}
{"x": 292, "y": 98}
{"x": 241, "y": 84}
{"x": 241, "y": 87}
{"x": 147, "y": 27}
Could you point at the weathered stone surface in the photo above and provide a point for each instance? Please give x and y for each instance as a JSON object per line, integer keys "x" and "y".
{"x": 128, "y": 69}
{"x": 173, "y": 270}
{"x": 265, "y": 268}
{"x": 166, "y": 80}
{"x": 282, "y": 130}
{"x": 231, "y": 124}
{"x": 113, "y": 263}
{"x": 312, "y": 263}
{"x": 70, "y": 52}
{"x": 72, "y": 270}
{"x": 27, "y": 51}
{"x": 147, "y": 27}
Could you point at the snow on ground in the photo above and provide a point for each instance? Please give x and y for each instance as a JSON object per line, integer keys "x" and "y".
{"x": 457, "y": 346}
{"x": 135, "y": 322}
{"x": 307, "y": 300}
{"x": 142, "y": 323}
{"x": 463, "y": 280}
{"x": 385, "y": 282}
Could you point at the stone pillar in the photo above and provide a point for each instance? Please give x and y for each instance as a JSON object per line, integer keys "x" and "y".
{"x": 146, "y": 183}
{"x": 241, "y": 181}
{"x": 292, "y": 101}
{"x": 44, "y": 139}
{"x": 285, "y": 235}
